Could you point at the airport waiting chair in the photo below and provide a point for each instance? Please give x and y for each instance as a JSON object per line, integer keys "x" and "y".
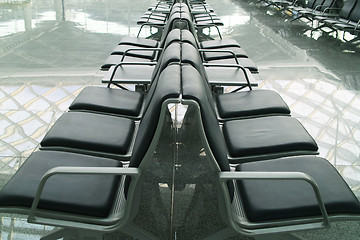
{"x": 299, "y": 193}
{"x": 201, "y": 14}
{"x": 86, "y": 194}
{"x": 221, "y": 51}
{"x": 253, "y": 103}
{"x": 146, "y": 42}
{"x": 144, "y": 52}
{"x": 256, "y": 138}
{"x": 267, "y": 199}
{"x": 121, "y": 102}
{"x": 226, "y": 51}
{"x": 353, "y": 25}
{"x": 236, "y": 105}
{"x": 214, "y": 43}
{"x": 159, "y": 16}
{"x": 342, "y": 17}
{"x": 309, "y": 5}
{"x": 161, "y": 5}
{"x": 102, "y": 134}
{"x": 125, "y": 55}
{"x": 320, "y": 8}
{"x": 235, "y": 72}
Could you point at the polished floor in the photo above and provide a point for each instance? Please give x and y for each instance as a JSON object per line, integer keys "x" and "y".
{"x": 48, "y": 55}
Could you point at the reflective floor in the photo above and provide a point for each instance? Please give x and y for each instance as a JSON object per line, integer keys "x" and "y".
{"x": 48, "y": 55}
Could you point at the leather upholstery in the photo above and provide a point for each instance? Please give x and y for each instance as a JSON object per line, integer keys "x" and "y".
{"x": 141, "y": 42}
{"x": 250, "y": 103}
{"x": 266, "y": 135}
{"x": 91, "y": 131}
{"x": 275, "y": 199}
{"x": 120, "y": 50}
{"x": 108, "y": 100}
{"x": 219, "y": 43}
{"x": 76, "y": 194}
{"x": 116, "y": 59}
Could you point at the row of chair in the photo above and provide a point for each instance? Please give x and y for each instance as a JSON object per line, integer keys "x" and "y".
{"x": 202, "y": 14}
{"x": 88, "y": 174}
{"x": 324, "y": 14}
{"x": 142, "y": 51}
{"x": 78, "y": 180}
{"x": 348, "y": 18}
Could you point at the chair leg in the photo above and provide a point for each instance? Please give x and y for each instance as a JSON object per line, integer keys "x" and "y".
{"x": 138, "y": 232}
{"x": 58, "y": 233}
{"x": 222, "y": 234}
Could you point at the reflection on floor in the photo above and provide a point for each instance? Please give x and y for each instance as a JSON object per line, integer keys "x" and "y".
{"x": 46, "y": 61}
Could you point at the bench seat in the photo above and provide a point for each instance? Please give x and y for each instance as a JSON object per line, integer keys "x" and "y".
{"x": 109, "y": 100}
{"x": 266, "y": 200}
{"x": 75, "y": 194}
{"x": 256, "y": 137}
{"x": 91, "y": 132}
{"x": 251, "y": 103}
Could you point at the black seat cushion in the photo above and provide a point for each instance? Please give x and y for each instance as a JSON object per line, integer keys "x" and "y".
{"x": 239, "y": 52}
{"x": 108, "y": 100}
{"x": 267, "y": 135}
{"x": 219, "y": 43}
{"x": 91, "y": 195}
{"x": 90, "y": 131}
{"x": 250, "y": 103}
{"x": 153, "y": 17}
{"x": 116, "y": 59}
{"x": 285, "y": 199}
{"x": 147, "y": 20}
{"x": 141, "y": 42}
{"x": 205, "y": 22}
{"x": 121, "y": 49}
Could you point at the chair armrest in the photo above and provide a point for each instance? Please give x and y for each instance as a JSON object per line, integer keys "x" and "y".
{"x": 250, "y": 85}
{"x": 328, "y": 10}
{"x": 139, "y": 49}
{"x": 223, "y": 51}
{"x": 133, "y": 172}
{"x": 126, "y": 63}
{"x": 225, "y": 176}
{"x": 316, "y": 8}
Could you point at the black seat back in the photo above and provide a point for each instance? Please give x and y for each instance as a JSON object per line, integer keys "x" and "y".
{"x": 317, "y": 4}
{"x": 188, "y": 37}
{"x": 327, "y": 4}
{"x": 347, "y": 8}
{"x": 194, "y": 88}
{"x": 310, "y": 3}
{"x": 355, "y": 13}
{"x": 168, "y": 86}
{"x": 191, "y": 55}
{"x": 170, "y": 55}
{"x": 173, "y": 36}
{"x": 170, "y": 25}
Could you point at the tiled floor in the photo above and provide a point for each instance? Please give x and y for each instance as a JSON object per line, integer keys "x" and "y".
{"x": 45, "y": 62}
